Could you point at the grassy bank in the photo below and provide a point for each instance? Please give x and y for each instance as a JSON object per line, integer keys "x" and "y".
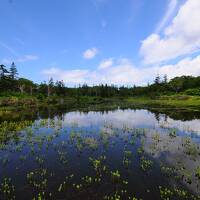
{"x": 173, "y": 101}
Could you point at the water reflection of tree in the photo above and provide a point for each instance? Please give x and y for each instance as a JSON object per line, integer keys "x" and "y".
{"x": 157, "y": 116}
{"x": 55, "y": 111}
{"x": 183, "y": 115}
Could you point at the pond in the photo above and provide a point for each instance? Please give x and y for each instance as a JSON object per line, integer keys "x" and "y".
{"x": 113, "y": 154}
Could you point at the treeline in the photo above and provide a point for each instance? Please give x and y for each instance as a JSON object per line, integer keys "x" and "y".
{"x": 11, "y": 84}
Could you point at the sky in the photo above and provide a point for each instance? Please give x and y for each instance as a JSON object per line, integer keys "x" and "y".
{"x": 121, "y": 42}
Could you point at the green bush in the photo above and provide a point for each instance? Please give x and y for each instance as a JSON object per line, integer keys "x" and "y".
{"x": 193, "y": 92}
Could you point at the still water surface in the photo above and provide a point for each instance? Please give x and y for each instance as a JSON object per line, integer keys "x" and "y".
{"x": 118, "y": 154}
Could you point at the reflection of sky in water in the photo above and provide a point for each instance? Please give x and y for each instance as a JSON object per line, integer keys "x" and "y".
{"x": 169, "y": 150}
{"x": 130, "y": 118}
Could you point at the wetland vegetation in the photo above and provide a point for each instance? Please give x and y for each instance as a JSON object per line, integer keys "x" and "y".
{"x": 100, "y": 142}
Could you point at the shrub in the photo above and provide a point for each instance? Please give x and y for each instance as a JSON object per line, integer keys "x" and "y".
{"x": 193, "y": 92}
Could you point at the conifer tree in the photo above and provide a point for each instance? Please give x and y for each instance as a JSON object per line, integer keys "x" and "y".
{"x": 13, "y": 71}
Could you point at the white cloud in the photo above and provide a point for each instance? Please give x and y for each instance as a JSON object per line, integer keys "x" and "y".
{"x": 187, "y": 66}
{"x": 90, "y": 53}
{"x": 124, "y": 72}
{"x": 170, "y": 10}
{"x": 68, "y": 76}
{"x": 27, "y": 58}
{"x": 106, "y": 63}
{"x": 181, "y": 37}
{"x": 24, "y": 58}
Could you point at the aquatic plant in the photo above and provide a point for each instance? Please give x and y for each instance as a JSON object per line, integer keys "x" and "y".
{"x": 38, "y": 178}
{"x": 115, "y": 176}
{"x": 8, "y": 130}
{"x": 98, "y": 164}
{"x": 62, "y": 157}
{"x": 145, "y": 164}
{"x": 176, "y": 193}
{"x": 156, "y": 137}
{"x": 7, "y": 189}
{"x": 91, "y": 142}
{"x": 173, "y": 133}
{"x": 165, "y": 193}
{"x": 167, "y": 171}
{"x": 191, "y": 148}
{"x": 109, "y": 150}
{"x": 197, "y": 172}
{"x": 126, "y": 158}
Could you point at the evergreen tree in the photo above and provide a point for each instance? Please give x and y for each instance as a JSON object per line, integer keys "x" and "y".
{"x": 165, "y": 78}
{"x": 13, "y": 71}
{"x": 60, "y": 87}
{"x": 50, "y": 87}
{"x": 157, "y": 80}
{"x": 3, "y": 71}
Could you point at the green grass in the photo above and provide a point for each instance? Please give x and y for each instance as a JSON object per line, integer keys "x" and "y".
{"x": 174, "y": 101}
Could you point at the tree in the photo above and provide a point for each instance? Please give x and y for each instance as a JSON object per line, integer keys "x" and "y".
{"x": 50, "y": 87}
{"x": 176, "y": 84}
{"x": 60, "y": 88}
{"x": 13, "y": 71}
{"x": 3, "y": 71}
{"x": 24, "y": 83}
{"x": 157, "y": 80}
{"x": 165, "y": 79}
{"x": 42, "y": 89}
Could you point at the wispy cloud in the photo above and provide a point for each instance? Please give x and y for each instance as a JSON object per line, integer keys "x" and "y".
{"x": 19, "y": 41}
{"x": 22, "y": 59}
{"x": 168, "y": 14}
{"x": 90, "y": 53}
{"x": 10, "y": 49}
{"x": 106, "y": 63}
{"x": 103, "y": 23}
{"x": 98, "y": 2}
{"x": 27, "y": 58}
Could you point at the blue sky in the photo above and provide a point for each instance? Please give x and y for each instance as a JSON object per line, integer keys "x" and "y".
{"x": 99, "y": 41}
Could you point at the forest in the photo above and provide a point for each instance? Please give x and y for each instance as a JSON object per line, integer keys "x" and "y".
{"x": 11, "y": 84}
